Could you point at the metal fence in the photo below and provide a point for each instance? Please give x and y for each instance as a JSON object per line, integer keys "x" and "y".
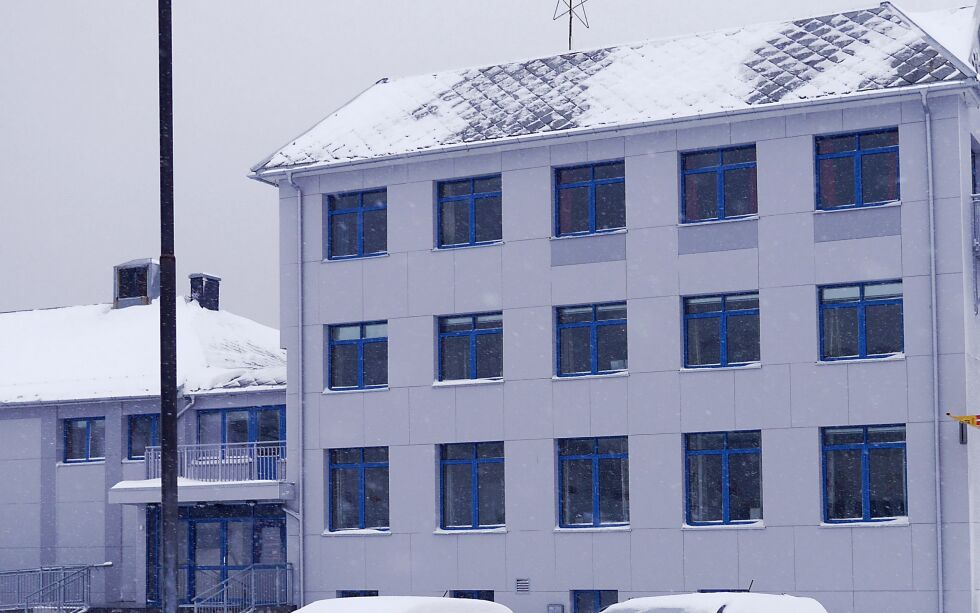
{"x": 243, "y": 591}
{"x": 224, "y": 462}
{"x": 59, "y": 588}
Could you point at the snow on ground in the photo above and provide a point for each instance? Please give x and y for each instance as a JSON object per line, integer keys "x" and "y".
{"x": 95, "y": 351}
{"x": 952, "y": 28}
{"x": 712, "y": 603}
{"x": 403, "y": 604}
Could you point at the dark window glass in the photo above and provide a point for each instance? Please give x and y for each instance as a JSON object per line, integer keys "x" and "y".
{"x": 358, "y": 488}
{"x": 472, "y": 485}
{"x": 471, "y": 347}
{"x": 343, "y": 235}
{"x": 356, "y": 593}
{"x": 358, "y": 356}
{"x": 721, "y": 330}
{"x": 593, "y": 481}
{"x": 84, "y": 439}
{"x": 469, "y": 211}
{"x": 593, "y": 601}
{"x": 861, "y": 321}
{"x": 590, "y": 198}
{"x": 454, "y": 226}
{"x": 132, "y": 282}
{"x": 719, "y": 184}
{"x": 864, "y": 473}
{"x": 591, "y": 339}
{"x": 375, "y": 231}
{"x": 488, "y": 218}
{"x": 143, "y": 433}
{"x": 474, "y": 594}
{"x": 857, "y": 169}
{"x": 837, "y": 182}
{"x": 357, "y": 224}
{"x": 700, "y": 196}
{"x": 724, "y": 480}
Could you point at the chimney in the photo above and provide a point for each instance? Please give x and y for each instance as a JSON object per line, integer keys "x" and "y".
{"x": 204, "y": 289}
{"x": 135, "y": 282}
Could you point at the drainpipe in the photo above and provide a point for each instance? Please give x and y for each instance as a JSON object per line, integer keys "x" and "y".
{"x": 187, "y": 407}
{"x": 935, "y": 352}
{"x": 299, "y": 375}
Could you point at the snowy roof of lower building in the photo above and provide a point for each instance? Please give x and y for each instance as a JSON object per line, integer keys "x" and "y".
{"x": 730, "y": 602}
{"x": 751, "y": 67}
{"x": 95, "y": 351}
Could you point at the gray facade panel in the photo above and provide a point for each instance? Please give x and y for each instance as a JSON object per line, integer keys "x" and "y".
{"x": 588, "y": 249}
{"x": 857, "y": 223}
{"x": 726, "y": 236}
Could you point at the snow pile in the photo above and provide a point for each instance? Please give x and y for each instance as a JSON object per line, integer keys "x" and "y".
{"x": 952, "y": 28}
{"x": 403, "y": 604}
{"x": 90, "y": 352}
{"x": 733, "y": 602}
{"x": 731, "y": 70}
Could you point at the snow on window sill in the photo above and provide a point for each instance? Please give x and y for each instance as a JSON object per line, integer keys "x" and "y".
{"x": 755, "y": 525}
{"x": 607, "y": 375}
{"x": 599, "y": 233}
{"x": 626, "y": 528}
{"x": 500, "y": 530}
{"x": 711, "y": 222}
{"x": 357, "y": 532}
{"x": 863, "y": 207}
{"x": 895, "y": 357}
{"x": 465, "y": 382}
{"x": 749, "y": 366}
{"x": 457, "y": 247}
{"x": 133, "y": 460}
{"x": 81, "y": 463}
{"x": 355, "y": 258}
{"x": 330, "y": 392}
{"x": 895, "y": 522}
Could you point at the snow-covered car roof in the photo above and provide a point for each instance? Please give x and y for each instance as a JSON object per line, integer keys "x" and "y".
{"x": 753, "y": 67}
{"x": 96, "y": 351}
{"x": 403, "y": 604}
{"x": 719, "y": 602}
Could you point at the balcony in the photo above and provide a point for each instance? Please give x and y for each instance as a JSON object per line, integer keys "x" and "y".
{"x": 214, "y": 473}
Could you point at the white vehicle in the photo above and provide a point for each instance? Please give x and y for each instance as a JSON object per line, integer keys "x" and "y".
{"x": 403, "y": 604}
{"x": 719, "y": 602}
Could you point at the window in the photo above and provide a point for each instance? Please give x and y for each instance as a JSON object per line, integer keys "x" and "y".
{"x": 132, "y": 282}
{"x": 357, "y": 224}
{"x": 593, "y": 601}
{"x": 593, "y": 476}
{"x": 356, "y": 593}
{"x": 724, "y": 477}
{"x": 358, "y": 488}
{"x": 471, "y": 346}
{"x": 591, "y": 339}
{"x": 721, "y": 330}
{"x": 719, "y": 184}
{"x": 472, "y": 476}
{"x": 84, "y": 439}
{"x": 590, "y": 198}
{"x": 241, "y": 425}
{"x": 144, "y": 431}
{"x": 975, "y": 162}
{"x": 358, "y": 356}
{"x": 468, "y": 212}
{"x": 855, "y": 170}
{"x": 864, "y": 473}
{"x": 861, "y": 321}
{"x": 474, "y": 594}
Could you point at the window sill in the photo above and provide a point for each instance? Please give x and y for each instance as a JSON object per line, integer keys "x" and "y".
{"x": 897, "y": 522}
{"x": 458, "y": 247}
{"x": 750, "y": 366}
{"x": 602, "y": 233}
{"x": 81, "y": 463}
{"x": 883, "y": 205}
{"x": 895, "y": 357}
{"x": 625, "y": 528}
{"x": 355, "y": 259}
{"x": 608, "y": 375}
{"x": 711, "y": 222}
{"x": 330, "y": 392}
{"x": 501, "y": 530}
{"x": 133, "y": 460}
{"x": 756, "y": 525}
{"x": 466, "y": 382}
{"x": 359, "y": 532}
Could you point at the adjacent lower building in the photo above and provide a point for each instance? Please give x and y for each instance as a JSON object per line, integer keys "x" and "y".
{"x": 80, "y": 455}
{"x": 673, "y": 316}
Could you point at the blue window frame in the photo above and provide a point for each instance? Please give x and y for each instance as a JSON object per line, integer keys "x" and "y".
{"x": 143, "y": 432}
{"x": 591, "y": 339}
{"x": 593, "y": 479}
{"x": 468, "y": 212}
{"x": 242, "y": 425}
{"x": 357, "y": 356}
{"x": 718, "y": 184}
{"x": 474, "y": 594}
{"x": 724, "y": 477}
{"x": 356, "y": 224}
{"x": 857, "y": 169}
{"x": 356, "y": 593}
{"x": 864, "y": 473}
{"x": 471, "y": 346}
{"x": 472, "y": 485}
{"x": 358, "y": 488}
{"x": 862, "y": 320}
{"x": 590, "y": 198}
{"x": 84, "y": 439}
{"x": 721, "y": 330}
{"x": 593, "y": 601}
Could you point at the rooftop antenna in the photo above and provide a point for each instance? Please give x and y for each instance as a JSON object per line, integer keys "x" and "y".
{"x": 575, "y": 9}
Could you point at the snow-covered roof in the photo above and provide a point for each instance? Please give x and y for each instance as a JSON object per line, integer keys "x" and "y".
{"x": 752, "y": 67}
{"x": 953, "y": 28}
{"x": 403, "y": 604}
{"x": 92, "y": 352}
{"x": 731, "y": 602}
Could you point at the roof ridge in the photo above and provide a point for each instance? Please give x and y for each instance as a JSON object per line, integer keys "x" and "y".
{"x": 949, "y": 55}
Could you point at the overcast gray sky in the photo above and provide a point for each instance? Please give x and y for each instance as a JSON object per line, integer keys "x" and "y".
{"x": 78, "y": 115}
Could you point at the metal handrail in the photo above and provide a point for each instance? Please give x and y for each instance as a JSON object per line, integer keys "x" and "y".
{"x": 243, "y": 591}
{"x": 58, "y": 587}
{"x": 17, "y": 585}
{"x": 223, "y": 462}
{"x": 976, "y": 253}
